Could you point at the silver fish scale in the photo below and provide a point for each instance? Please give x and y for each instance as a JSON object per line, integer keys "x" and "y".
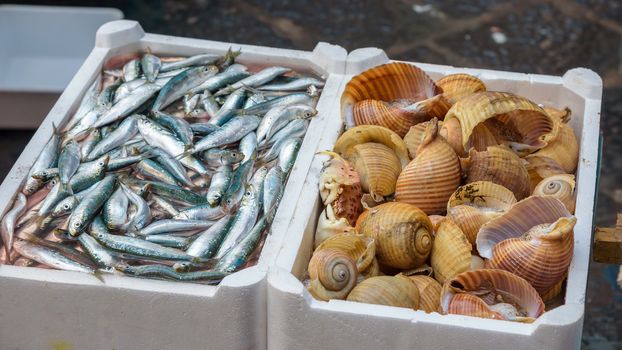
{"x": 166, "y": 161}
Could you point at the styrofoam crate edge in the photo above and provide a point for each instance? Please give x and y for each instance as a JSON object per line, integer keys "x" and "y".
{"x": 566, "y": 319}
{"x": 123, "y": 33}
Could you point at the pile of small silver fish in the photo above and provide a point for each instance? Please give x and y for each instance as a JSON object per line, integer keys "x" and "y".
{"x": 171, "y": 168}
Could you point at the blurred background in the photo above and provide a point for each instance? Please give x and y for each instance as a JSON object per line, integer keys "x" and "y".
{"x": 531, "y": 36}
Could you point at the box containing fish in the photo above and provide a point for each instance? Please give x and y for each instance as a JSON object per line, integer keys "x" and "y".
{"x": 454, "y": 211}
{"x": 145, "y": 210}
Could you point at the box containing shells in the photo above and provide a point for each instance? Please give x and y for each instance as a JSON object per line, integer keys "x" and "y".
{"x": 70, "y": 309}
{"x": 313, "y": 302}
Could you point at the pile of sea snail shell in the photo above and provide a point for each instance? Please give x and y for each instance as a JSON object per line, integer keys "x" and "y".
{"x": 445, "y": 197}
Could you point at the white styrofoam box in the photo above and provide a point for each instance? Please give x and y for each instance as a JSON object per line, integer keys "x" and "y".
{"x": 297, "y": 320}
{"x": 41, "y": 48}
{"x": 42, "y": 307}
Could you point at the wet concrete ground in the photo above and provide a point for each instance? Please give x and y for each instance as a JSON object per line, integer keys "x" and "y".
{"x": 532, "y": 36}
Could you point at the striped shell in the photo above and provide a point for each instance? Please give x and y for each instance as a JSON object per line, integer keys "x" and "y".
{"x": 333, "y": 274}
{"x": 378, "y": 168}
{"x": 487, "y": 293}
{"x": 540, "y": 168}
{"x": 372, "y": 133}
{"x": 533, "y": 240}
{"x": 559, "y": 186}
{"x": 451, "y": 131}
{"x": 386, "y": 290}
{"x": 500, "y": 165}
{"x": 361, "y": 249}
{"x": 474, "y": 204}
{"x": 458, "y": 86}
{"x": 483, "y": 194}
{"x": 429, "y": 180}
{"x": 387, "y": 82}
{"x": 415, "y": 135}
{"x": 451, "y": 252}
{"x": 403, "y": 234}
{"x": 541, "y": 256}
{"x": 517, "y": 121}
{"x": 399, "y": 115}
{"x": 429, "y": 292}
{"x": 564, "y": 150}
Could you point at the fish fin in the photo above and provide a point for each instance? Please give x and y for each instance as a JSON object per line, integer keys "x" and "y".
{"x": 97, "y": 273}
{"x": 188, "y": 151}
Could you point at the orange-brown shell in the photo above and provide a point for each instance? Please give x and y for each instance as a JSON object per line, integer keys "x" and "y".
{"x": 403, "y": 234}
{"x": 332, "y": 274}
{"x": 483, "y": 194}
{"x": 387, "y": 290}
{"x": 415, "y": 135}
{"x": 457, "y": 86}
{"x": 500, "y": 165}
{"x": 378, "y": 168}
{"x": 472, "y": 293}
{"x": 371, "y": 133}
{"x": 429, "y": 292}
{"x": 564, "y": 150}
{"x": 539, "y": 168}
{"x": 559, "y": 186}
{"x": 469, "y": 219}
{"x": 451, "y": 252}
{"x": 399, "y": 115}
{"x": 541, "y": 256}
{"x": 519, "y": 122}
{"x": 361, "y": 249}
{"x": 387, "y": 82}
{"x": 430, "y": 179}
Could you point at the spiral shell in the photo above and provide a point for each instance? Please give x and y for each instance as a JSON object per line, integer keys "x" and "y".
{"x": 399, "y": 115}
{"x": 457, "y": 86}
{"x": 483, "y": 194}
{"x": 522, "y": 217}
{"x": 377, "y": 166}
{"x": 340, "y": 185}
{"x": 387, "y": 82}
{"x": 539, "y": 168}
{"x": 361, "y": 249}
{"x": 500, "y": 165}
{"x": 474, "y": 204}
{"x": 541, "y": 255}
{"x": 487, "y": 293}
{"x": 386, "y": 290}
{"x": 559, "y": 186}
{"x": 329, "y": 225}
{"x": 415, "y": 135}
{"x": 403, "y": 234}
{"x": 451, "y": 252}
{"x": 533, "y": 240}
{"x": 451, "y": 131}
{"x": 429, "y": 292}
{"x": 333, "y": 274}
{"x": 429, "y": 180}
{"x": 564, "y": 150}
{"x": 372, "y": 133}
{"x": 518, "y": 121}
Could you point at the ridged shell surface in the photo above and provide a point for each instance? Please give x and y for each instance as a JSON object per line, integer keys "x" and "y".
{"x": 387, "y": 290}
{"x": 558, "y": 186}
{"x": 387, "y": 82}
{"x": 451, "y": 252}
{"x": 429, "y": 292}
{"x": 500, "y": 165}
{"x": 361, "y": 249}
{"x": 372, "y": 133}
{"x": 333, "y": 274}
{"x": 564, "y": 149}
{"x": 431, "y": 178}
{"x": 457, "y": 86}
{"x": 483, "y": 194}
{"x": 378, "y": 168}
{"x": 403, "y": 234}
{"x": 493, "y": 286}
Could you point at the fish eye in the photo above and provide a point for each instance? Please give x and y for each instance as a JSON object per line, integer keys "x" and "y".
{"x": 308, "y": 114}
{"x": 66, "y": 206}
{"x": 248, "y": 193}
{"x": 234, "y": 155}
{"x": 77, "y": 224}
{"x": 100, "y": 163}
